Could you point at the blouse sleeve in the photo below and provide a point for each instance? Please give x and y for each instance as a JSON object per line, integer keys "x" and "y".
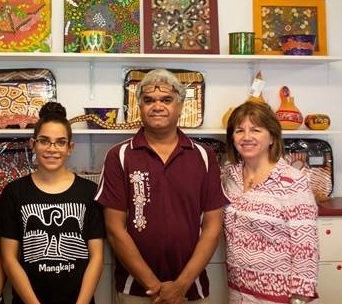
{"x": 302, "y": 218}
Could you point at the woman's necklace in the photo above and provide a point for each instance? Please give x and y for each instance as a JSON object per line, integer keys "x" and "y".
{"x": 250, "y": 184}
{"x": 257, "y": 178}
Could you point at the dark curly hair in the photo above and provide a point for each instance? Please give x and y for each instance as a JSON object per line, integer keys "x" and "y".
{"x": 52, "y": 112}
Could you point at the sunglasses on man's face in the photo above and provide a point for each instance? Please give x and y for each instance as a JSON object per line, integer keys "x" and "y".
{"x": 165, "y": 88}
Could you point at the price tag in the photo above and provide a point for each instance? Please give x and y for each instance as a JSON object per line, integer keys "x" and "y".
{"x": 257, "y": 87}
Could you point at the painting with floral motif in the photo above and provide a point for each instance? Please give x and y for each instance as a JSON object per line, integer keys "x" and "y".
{"x": 25, "y": 26}
{"x": 275, "y": 18}
{"x": 181, "y": 26}
{"x": 119, "y": 18}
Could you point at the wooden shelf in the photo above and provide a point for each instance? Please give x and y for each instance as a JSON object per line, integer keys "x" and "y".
{"x": 330, "y": 207}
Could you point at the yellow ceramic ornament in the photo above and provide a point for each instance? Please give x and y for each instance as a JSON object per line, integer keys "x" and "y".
{"x": 226, "y": 116}
{"x": 288, "y": 114}
{"x": 317, "y": 121}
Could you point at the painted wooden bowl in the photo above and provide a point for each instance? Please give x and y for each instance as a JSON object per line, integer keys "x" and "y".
{"x": 108, "y": 115}
{"x": 298, "y": 44}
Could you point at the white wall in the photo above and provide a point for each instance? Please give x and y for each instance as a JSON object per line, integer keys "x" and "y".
{"x": 316, "y": 88}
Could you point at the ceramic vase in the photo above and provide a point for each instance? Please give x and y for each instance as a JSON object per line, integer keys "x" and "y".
{"x": 289, "y": 115}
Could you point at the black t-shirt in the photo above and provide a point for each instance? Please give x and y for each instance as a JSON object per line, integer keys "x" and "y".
{"x": 53, "y": 231}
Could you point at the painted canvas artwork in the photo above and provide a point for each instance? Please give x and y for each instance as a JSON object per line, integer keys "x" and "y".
{"x": 181, "y": 27}
{"x": 275, "y": 18}
{"x": 119, "y": 18}
{"x": 289, "y": 20}
{"x": 25, "y": 26}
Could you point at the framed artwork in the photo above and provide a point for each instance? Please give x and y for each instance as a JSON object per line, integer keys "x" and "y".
{"x": 25, "y": 26}
{"x": 274, "y": 18}
{"x": 120, "y": 19}
{"x": 181, "y": 27}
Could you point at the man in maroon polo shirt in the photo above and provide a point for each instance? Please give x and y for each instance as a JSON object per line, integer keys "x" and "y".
{"x": 162, "y": 199}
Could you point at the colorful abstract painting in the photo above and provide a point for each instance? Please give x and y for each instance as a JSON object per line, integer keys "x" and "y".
{"x": 286, "y": 20}
{"x": 25, "y": 26}
{"x": 275, "y": 18}
{"x": 181, "y": 26}
{"x": 119, "y": 18}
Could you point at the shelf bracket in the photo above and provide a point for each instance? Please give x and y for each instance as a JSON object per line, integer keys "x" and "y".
{"x": 91, "y": 153}
{"x": 91, "y": 81}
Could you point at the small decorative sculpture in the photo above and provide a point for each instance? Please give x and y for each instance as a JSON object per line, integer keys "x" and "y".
{"x": 104, "y": 124}
{"x": 255, "y": 93}
{"x": 317, "y": 121}
{"x": 288, "y": 114}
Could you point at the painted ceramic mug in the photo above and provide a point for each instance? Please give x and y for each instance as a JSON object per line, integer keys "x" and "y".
{"x": 242, "y": 43}
{"x": 96, "y": 41}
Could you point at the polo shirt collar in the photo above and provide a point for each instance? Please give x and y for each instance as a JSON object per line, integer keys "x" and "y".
{"x": 139, "y": 140}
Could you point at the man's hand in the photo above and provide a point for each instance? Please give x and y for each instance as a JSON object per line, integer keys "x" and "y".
{"x": 170, "y": 293}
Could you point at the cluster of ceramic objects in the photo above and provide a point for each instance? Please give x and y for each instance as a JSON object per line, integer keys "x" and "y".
{"x": 288, "y": 114}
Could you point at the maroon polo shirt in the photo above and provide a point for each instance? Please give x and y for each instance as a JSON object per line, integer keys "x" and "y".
{"x": 164, "y": 203}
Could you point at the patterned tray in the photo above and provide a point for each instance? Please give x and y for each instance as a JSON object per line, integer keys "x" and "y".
{"x": 193, "y": 109}
{"x": 16, "y": 159}
{"x": 314, "y": 157}
{"x": 24, "y": 91}
{"x": 218, "y": 146}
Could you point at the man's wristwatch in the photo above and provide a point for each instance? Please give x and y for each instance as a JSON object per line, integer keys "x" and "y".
{"x": 297, "y": 301}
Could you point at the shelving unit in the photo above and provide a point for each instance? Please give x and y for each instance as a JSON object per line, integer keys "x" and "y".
{"x": 195, "y": 131}
{"x": 84, "y": 78}
{"x": 88, "y": 69}
{"x": 87, "y": 57}
{"x": 251, "y": 61}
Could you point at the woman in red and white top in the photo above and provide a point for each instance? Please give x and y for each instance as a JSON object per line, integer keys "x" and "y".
{"x": 271, "y": 222}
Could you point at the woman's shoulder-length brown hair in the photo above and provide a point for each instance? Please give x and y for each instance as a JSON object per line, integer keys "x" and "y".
{"x": 261, "y": 115}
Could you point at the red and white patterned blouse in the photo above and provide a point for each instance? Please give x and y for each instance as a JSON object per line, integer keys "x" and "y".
{"x": 271, "y": 234}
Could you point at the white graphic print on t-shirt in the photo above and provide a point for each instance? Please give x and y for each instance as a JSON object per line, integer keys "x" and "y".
{"x": 53, "y": 232}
